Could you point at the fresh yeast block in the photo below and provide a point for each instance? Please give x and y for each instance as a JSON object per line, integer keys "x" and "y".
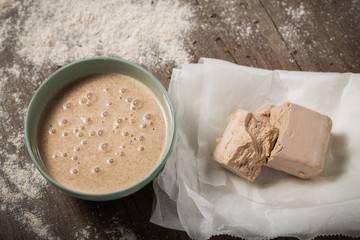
{"x": 264, "y": 112}
{"x": 303, "y": 139}
{"x": 245, "y": 145}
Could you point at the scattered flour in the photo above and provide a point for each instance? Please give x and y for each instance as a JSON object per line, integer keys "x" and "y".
{"x": 38, "y": 226}
{"x": 5, "y": 31}
{"x": 246, "y": 30}
{"x": 114, "y": 232}
{"x": 14, "y": 71}
{"x": 147, "y": 32}
{"x": 121, "y": 233}
{"x": 20, "y": 182}
{"x": 238, "y": 21}
{"x": 3, "y": 34}
{"x": 292, "y": 30}
{"x": 2, "y": 81}
{"x": 232, "y": 21}
{"x": 296, "y": 14}
{"x": 16, "y": 97}
{"x": 82, "y": 234}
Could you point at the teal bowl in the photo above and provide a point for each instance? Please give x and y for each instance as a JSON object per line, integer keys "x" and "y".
{"x": 71, "y": 73}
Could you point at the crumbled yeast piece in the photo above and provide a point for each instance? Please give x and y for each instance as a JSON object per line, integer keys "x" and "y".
{"x": 245, "y": 145}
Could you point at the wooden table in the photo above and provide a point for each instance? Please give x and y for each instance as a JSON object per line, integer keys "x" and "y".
{"x": 321, "y": 36}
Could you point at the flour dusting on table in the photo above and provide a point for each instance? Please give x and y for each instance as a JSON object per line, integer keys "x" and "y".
{"x": 292, "y": 30}
{"x": 149, "y": 33}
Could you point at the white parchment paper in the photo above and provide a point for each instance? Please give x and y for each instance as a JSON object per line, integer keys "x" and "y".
{"x": 197, "y": 195}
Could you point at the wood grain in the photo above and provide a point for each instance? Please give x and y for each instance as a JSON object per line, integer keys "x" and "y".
{"x": 290, "y": 35}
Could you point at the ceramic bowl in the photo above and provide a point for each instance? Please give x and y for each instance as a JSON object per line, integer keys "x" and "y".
{"x": 71, "y": 73}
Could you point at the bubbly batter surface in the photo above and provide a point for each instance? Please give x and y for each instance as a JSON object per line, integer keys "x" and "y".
{"x": 102, "y": 134}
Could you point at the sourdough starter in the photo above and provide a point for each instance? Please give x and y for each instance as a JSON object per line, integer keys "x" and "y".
{"x": 102, "y": 134}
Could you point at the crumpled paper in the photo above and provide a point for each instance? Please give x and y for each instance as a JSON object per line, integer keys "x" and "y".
{"x": 195, "y": 194}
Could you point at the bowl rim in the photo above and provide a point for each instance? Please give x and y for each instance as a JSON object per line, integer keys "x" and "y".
{"x": 125, "y": 191}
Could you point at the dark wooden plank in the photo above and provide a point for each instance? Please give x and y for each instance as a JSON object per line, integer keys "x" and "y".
{"x": 10, "y": 227}
{"x": 322, "y": 35}
{"x": 240, "y": 32}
